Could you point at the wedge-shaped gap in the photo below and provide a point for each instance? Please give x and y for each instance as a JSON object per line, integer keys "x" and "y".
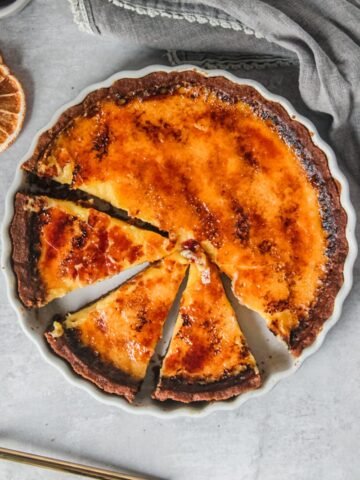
{"x": 85, "y": 296}
{"x": 43, "y": 186}
{"x": 271, "y": 354}
{"x": 153, "y": 370}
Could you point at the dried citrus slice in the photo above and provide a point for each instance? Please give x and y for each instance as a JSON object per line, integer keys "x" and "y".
{"x": 12, "y": 107}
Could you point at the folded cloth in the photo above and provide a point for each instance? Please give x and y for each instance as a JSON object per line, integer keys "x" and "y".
{"x": 312, "y": 44}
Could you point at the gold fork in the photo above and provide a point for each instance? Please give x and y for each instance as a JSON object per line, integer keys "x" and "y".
{"x": 63, "y": 466}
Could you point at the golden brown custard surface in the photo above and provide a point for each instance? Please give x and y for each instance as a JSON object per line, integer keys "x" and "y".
{"x": 207, "y": 344}
{"x": 79, "y": 246}
{"x": 124, "y": 327}
{"x": 200, "y": 167}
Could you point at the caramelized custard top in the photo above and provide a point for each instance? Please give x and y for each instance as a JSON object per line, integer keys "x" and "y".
{"x": 198, "y": 166}
{"x": 124, "y": 327}
{"x": 207, "y": 344}
{"x": 79, "y": 246}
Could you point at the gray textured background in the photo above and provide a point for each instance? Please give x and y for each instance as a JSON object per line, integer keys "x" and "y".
{"x": 307, "y": 428}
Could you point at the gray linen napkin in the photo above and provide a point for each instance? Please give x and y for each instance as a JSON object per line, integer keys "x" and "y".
{"x": 313, "y": 45}
{"x": 307, "y": 50}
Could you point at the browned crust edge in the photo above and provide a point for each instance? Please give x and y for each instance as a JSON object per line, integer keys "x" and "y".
{"x": 25, "y": 240}
{"x": 295, "y": 134}
{"x": 62, "y": 347}
{"x": 179, "y": 389}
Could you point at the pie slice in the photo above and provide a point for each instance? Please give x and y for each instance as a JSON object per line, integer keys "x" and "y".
{"x": 112, "y": 341}
{"x": 208, "y": 358}
{"x": 207, "y": 159}
{"x": 59, "y": 246}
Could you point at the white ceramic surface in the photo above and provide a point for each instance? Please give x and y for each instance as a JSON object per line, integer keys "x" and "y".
{"x": 271, "y": 354}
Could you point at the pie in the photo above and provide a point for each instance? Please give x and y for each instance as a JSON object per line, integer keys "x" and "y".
{"x": 59, "y": 246}
{"x": 208, "y": 358}
{"x": 215, "y": 165}
{"x": 208, "y": 159}
{"x": 112, "y": 341}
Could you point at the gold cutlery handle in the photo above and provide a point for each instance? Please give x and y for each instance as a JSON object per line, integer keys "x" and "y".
{"x": 64, "y": 466}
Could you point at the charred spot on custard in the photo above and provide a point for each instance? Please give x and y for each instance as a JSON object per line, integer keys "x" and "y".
{"x": 93, "y": 253}
{"x": 224, "y": 117}
{"x": 77, "y": 176}
{"x": 79, "y": 241}
{"x": 250, "y": 159}
{"x": 186, "y": 320}
{"x": 275, "y": 306}
{"x": 244, "y": 152}
{"x": 141, "y": 319}
{"x": 210, "y": 224}
{"x": 244, "y": 352}
{"x": 101, "y": 141}
{"x": 265, "y": 246}
{"x": 242, "y": 225}
{"x": 158, "y": 132}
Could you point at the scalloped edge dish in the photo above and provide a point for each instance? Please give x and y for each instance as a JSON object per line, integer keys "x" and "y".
{"x": 273, "y": 375}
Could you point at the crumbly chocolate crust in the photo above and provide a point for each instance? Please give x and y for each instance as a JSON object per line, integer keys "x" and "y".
{"x": 86, "y": 363}
{"x": 178, "y": 388}
{"x": 25, "y": 241}
{"x": 296, "y": 135}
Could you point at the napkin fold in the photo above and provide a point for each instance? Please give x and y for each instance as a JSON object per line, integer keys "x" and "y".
{"x": 307, "y": 51}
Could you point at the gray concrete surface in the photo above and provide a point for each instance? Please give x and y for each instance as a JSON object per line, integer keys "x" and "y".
{"x": 307, "y": 428}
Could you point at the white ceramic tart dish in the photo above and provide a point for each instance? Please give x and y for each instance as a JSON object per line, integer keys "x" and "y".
{"x": 272, "y": 356}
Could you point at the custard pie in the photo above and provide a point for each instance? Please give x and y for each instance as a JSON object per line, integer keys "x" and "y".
{"x": 221, "y": 174}
{"x": 204, "y": 158}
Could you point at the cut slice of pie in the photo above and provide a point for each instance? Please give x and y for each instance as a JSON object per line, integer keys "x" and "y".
{"x": 59, "y": 246}
{"x": 205, "y": 158}
{"x": 208, "y": 358}
{"x": 112, "y": 341}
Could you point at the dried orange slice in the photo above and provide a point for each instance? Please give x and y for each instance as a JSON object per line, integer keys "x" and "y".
{"x": 12, "y": 107}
